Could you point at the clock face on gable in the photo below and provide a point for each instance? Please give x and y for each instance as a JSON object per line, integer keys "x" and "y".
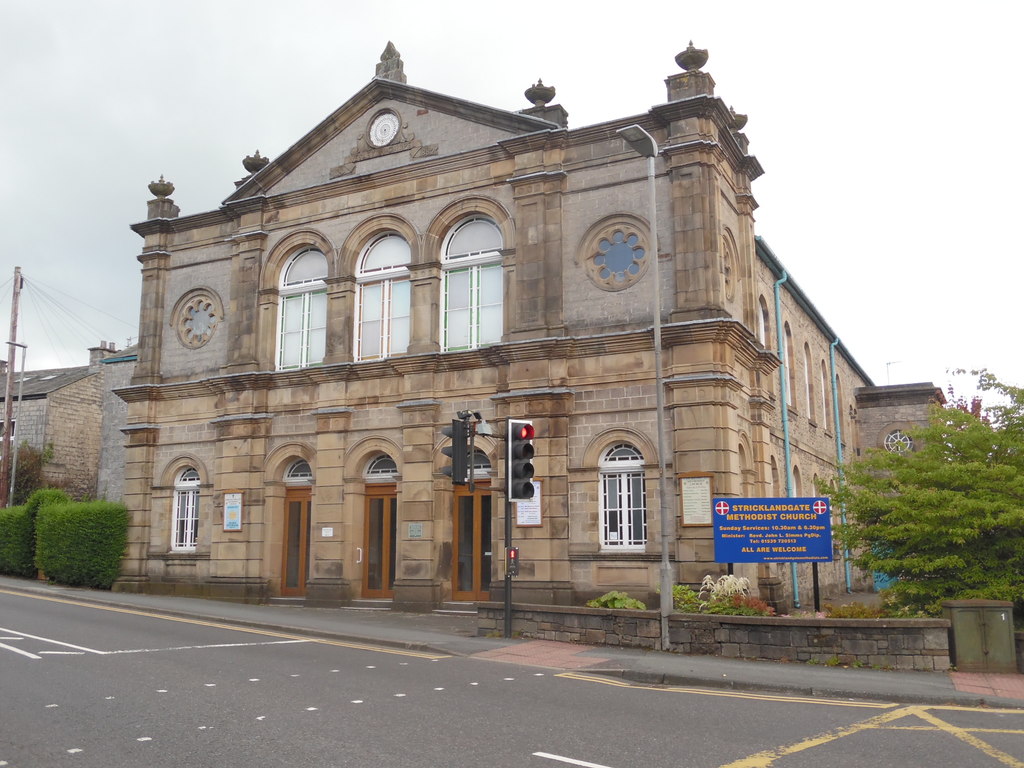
{"x": 383, "y": 129}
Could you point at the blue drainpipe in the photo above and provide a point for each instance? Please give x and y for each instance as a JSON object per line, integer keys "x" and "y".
{"x": 839, "y": 449}
{"x": 784, "y": 396}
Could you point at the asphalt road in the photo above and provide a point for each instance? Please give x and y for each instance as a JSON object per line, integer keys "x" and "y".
{"x": 86, "y": 685}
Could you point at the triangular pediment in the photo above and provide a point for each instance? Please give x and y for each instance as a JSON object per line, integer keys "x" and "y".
{"x": 425, "y": 125}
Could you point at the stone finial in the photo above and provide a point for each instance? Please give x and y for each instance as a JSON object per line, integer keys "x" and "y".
{"x": 692, "y": 59}
{"x": 161, "y": 189}
{"x": 539, "y": 95}
{"x": 391, "y": 66}
{"x": 255, "y": 163}
{"x": 738, "y": 120}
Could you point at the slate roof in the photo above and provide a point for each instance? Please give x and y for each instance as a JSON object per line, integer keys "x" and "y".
{"x": 39, "y": 384}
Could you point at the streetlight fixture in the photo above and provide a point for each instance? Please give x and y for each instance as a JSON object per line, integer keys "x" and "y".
{"x": 641, "y": 142}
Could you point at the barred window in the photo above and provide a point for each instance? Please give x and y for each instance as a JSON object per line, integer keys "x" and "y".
{"x": 623, "y": 498}
{"x": 186, "y": 510}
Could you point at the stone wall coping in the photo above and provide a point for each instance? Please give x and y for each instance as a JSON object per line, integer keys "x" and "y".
{"x": 762, "y": 621}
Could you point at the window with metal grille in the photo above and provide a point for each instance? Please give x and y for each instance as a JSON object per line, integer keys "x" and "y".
{"x": 186, "y": 510}
{"x": 623, "y": 498}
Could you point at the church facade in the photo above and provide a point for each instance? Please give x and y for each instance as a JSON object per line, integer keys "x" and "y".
{"x": 417, "y": 255}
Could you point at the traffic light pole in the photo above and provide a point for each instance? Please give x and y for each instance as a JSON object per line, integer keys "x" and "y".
{"x": 508, "y": 571}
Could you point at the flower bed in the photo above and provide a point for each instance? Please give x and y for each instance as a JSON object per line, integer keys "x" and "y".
{"x": 887, "y": 643}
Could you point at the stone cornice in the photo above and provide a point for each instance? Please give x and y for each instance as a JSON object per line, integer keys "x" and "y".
{"x": 718, "y": 330}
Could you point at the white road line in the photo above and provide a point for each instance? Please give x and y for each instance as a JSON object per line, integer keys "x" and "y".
{"x": 57, "y": 642}
{"x": 214, "y": 645}
{"x": 18, "y": 650}
{"x": 569, "y": 760}
{"x": 64, "y": 653}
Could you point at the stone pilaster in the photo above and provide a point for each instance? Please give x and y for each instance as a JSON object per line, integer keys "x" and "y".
{"x": 544, "y": 551}
{"x": 417, "y": 585}
{"x": 242, "y": 315}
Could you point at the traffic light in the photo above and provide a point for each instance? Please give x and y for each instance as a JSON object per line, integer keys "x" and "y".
{"x": 519, "y": 460}
{"x": 512, "y": 561}
{"x": 458, "y": 451}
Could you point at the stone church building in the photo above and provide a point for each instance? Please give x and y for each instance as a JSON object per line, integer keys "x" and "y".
{"x": 415, "y": 255}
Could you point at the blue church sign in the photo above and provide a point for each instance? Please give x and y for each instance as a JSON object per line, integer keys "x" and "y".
{"x": 773, "y": 530}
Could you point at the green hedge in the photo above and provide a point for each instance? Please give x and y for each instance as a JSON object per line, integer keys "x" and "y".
{"x": 81, "y": 544}
{"x": 17, "y": 542}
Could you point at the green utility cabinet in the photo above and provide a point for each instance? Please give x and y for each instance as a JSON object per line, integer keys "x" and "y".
{"x": 981, "y": 635}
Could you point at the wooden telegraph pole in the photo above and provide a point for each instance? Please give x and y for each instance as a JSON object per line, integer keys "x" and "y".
{"x": 5, "y": 464}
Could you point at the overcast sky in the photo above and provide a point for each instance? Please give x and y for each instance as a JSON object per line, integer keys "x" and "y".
{"x": 888, "y": 132}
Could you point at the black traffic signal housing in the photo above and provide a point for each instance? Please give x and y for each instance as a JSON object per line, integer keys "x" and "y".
{"x": 519, "y": 460}
{"x": 512, "y": 561}
{"x": 458, "y": 451}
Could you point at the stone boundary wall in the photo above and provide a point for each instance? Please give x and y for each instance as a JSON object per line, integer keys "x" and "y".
{"x": 892, "y": 643}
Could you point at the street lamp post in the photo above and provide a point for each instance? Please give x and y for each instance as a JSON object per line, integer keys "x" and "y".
{"x": 641, "y": 142}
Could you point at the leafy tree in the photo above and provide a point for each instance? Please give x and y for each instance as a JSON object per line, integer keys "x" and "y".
{"x": 947, "y": 518}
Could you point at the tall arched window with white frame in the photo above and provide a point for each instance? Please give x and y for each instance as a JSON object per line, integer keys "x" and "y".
{"x": 383, "y": 306}
{"x": 302, "y": 340}
{"x": 186, "y": 510}
{"x": 809, "y": 385}
{"x": 623, "y": 498}
{"x": 473, "y": 287}
{"x": 825, "y": 400}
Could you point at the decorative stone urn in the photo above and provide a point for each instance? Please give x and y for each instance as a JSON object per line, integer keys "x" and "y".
{"x": 692, "y": 58}
{"x": 161, "y": 188}
{"x": 255, "y": 163}
{"x": 539, "y": 95}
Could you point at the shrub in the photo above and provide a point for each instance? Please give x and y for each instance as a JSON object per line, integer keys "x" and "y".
{"x": 853, "y": 611}
{"x": 17, "y": 542}
{"x": 685, "y": 599}
{"x": 615, "y": 599}
{"x": 738, "y": 605}
{"x": 43, "y": 498}
{"x": 81, "y": 544}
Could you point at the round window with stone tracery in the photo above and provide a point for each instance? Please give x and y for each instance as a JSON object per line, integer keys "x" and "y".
{"x": 196, "y": 317}
{"x": 615, "y": 256}
{"x": 898, "y": 441}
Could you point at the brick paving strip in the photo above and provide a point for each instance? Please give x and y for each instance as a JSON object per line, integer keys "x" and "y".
{"x": 1007, "y": 686}
{"x": 544, "y": 653}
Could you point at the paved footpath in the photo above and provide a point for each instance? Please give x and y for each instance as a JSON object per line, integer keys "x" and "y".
{"x": 456, "y": 634}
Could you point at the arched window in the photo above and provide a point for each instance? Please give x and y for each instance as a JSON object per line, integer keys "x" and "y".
{"x": 303, "y": 322}
{"x": 481, "y": 466}
{"x": 790, "y": 368}
{"x": 898, "y": 441}
{"x": 382, "y": 323}
{"x": 776, "y": 483}
{"x": 763, "y": 322}
{"x": 381, "y": 469}
{"x": 809, "y": 384}
{"x": 826, "y": 404}
{"x": 471, "y": 314}
{"x": 299, "y": 473}
{"x": 186, "y": 510}
{"x": 623, "y": 498}
{"x": 798, "y": 488}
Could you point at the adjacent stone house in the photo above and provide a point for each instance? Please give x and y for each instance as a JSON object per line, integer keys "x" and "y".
{"x": 415, "y": 255}
{"x": 60, "y": 412}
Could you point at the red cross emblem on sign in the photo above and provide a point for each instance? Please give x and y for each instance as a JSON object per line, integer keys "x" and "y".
{"x": 722, "y": 507}
{"x": 819, "y": 507}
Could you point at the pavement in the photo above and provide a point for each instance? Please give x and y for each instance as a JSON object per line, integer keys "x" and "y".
{"x": 456, "y": 634}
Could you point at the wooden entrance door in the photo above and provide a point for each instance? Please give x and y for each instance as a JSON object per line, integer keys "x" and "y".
{"x": 379, "y": 542}
{"x": 295, "y": 551}
{"x": 471, "y": 544}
